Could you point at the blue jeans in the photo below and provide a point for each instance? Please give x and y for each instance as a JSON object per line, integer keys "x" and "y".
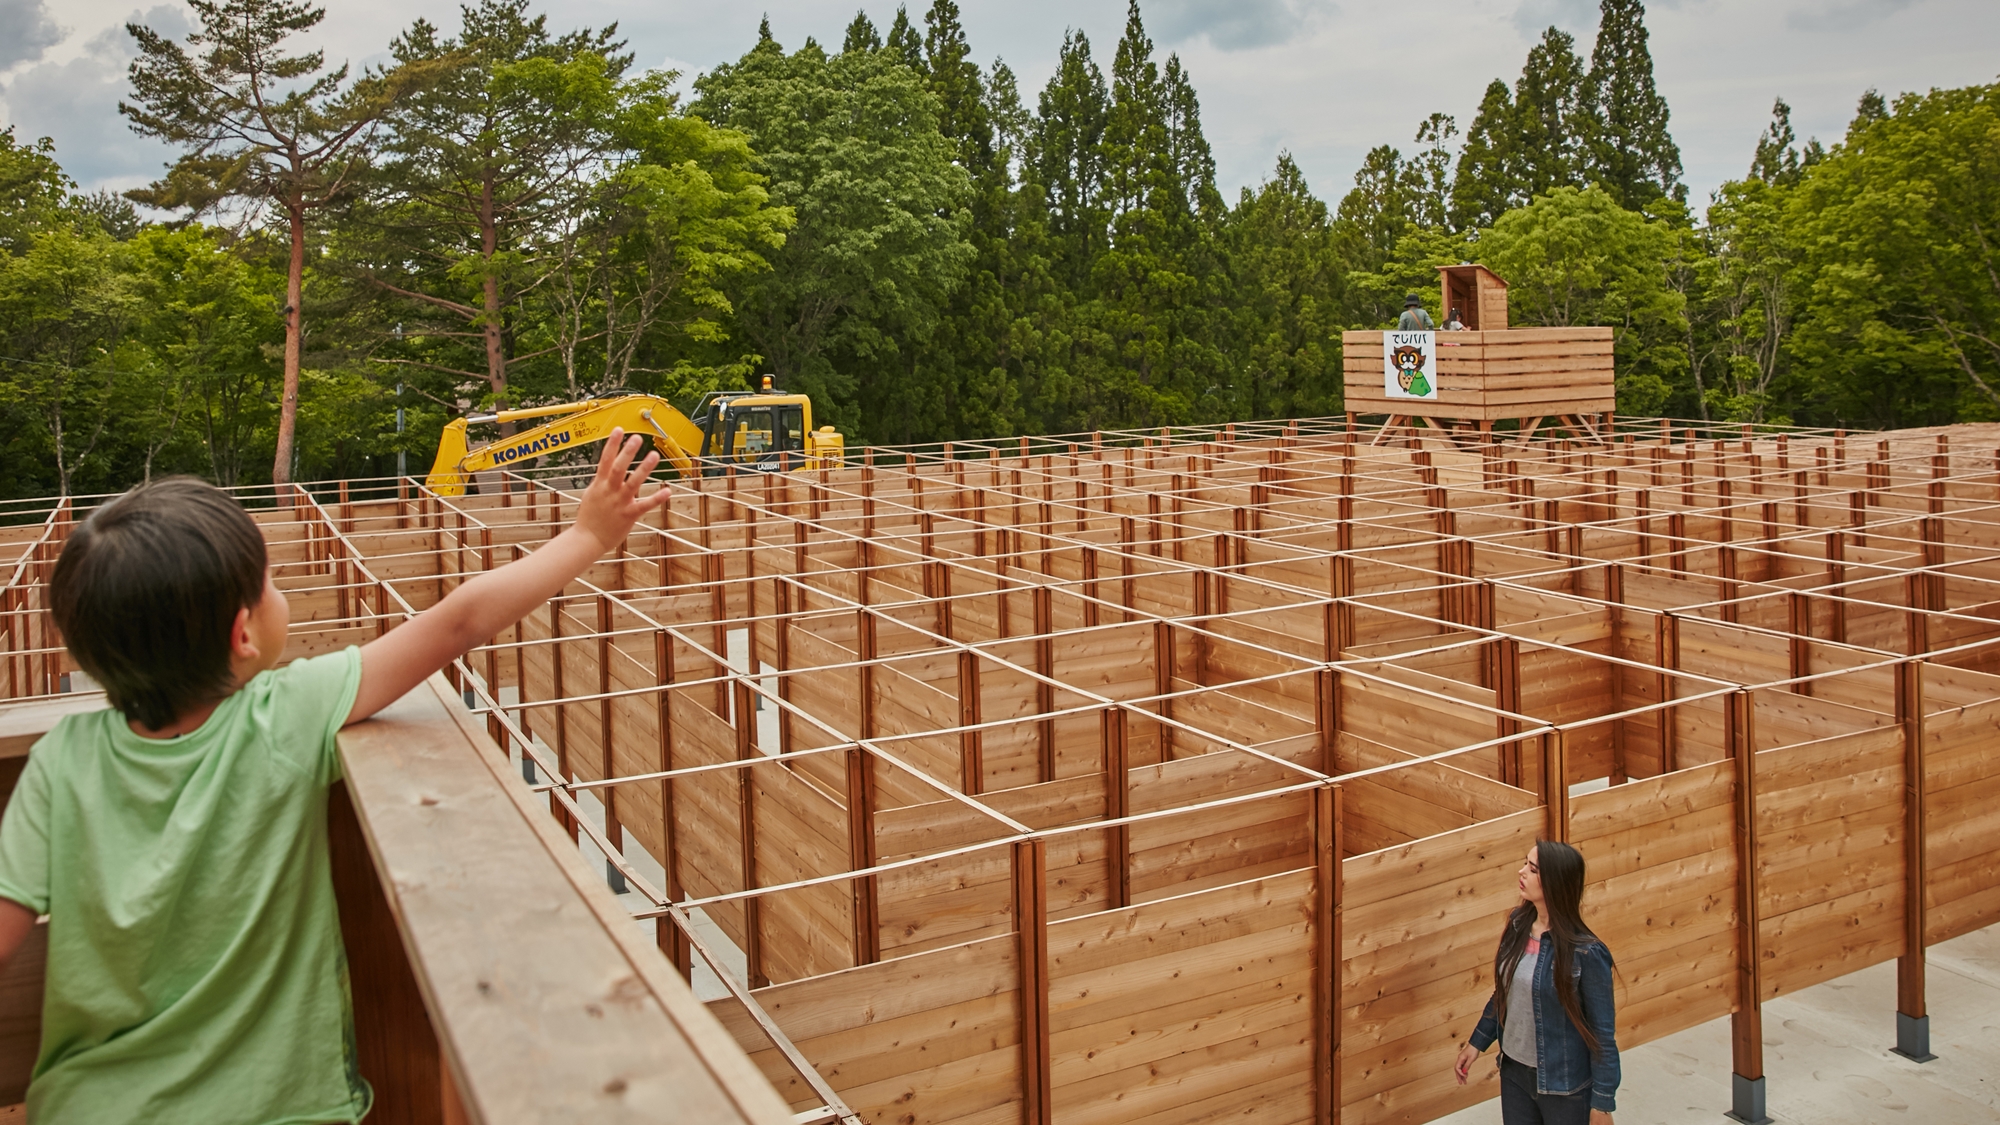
{"x": 1521, "y": 1105}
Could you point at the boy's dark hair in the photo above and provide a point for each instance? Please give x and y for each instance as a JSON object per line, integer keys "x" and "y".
{"x": 147, "y": 590}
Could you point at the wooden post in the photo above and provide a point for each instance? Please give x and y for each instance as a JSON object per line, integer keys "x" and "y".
{"x": 861, "y": 853}
{"x": 1117, "y": 793}
{"x": 1747, "y": 1024}
{"x": 1555, "y": 788}
{"x": 667, "y": 935}
{"x": 1326, "y": 717}
{"x": 1031, "y": 933}
{"x": 562, "y": 711}
{"x": 1045, "y": 694}
{"x": 1327, "y": 846}
{"x": 1163, "y": 683}
{"x": 614, "y": 832}
{"x": 1913, "y": 1024}
{"x": 746, "y": 812}
{"x": 1507, "y": 697}
{"x": 971, "y": 750}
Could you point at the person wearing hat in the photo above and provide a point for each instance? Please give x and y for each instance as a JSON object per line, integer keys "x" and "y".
{"x": 1414, "y": 318}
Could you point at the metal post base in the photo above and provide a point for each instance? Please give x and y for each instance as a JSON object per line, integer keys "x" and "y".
{"x": 1747, "y": 1095}
{"x": 614, "y": 877}
{"x": 1913, "y": 1038}
{"x": 527, "y": 769}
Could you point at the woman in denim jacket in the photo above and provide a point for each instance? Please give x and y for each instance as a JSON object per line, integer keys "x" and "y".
{"x": 1551, "y": 1007}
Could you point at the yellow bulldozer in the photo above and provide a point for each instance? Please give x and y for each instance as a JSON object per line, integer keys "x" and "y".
{"x": 756, "y": 430}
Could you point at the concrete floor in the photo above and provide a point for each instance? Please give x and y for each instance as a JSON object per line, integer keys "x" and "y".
{"x": 1826, "y": 1054}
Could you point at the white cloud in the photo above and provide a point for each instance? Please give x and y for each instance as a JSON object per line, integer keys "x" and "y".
{"x": 26, "y": 31}
{"x": 1324, "y": 80}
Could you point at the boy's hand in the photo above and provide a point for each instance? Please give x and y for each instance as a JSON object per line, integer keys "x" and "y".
{"x": 612, "y": 504}
{"x": 483, "y": 606}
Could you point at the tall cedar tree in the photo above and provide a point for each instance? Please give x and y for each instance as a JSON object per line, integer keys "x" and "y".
{"x": 476, "y": 167}
{"x": 851, "y": 144}
{"x": 256, "y": 123}
{"x": 1553, "y": 122}
{"x": 1482, "y": 186}
{"x": 1631, "y": 153}
{"x": 963, "y": 363}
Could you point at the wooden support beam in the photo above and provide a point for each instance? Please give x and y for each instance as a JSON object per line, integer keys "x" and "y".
{"x": 1555, "y": 787}
{"x": 1031, "y": 933}
{"x": 1117, "y": 805}
{"x": 1328, "y": 1000}
{"x": 671, "y": 940}
{"x": 1913, "y": 1034}
{"x": 1747, "y": 1099}
{"x": 746, "y": 813}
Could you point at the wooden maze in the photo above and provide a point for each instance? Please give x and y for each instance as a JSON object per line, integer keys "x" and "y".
{"x": 1170, "y": 777}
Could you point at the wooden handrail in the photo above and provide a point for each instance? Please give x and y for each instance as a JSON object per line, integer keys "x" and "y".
{"x": 496, "y": 980}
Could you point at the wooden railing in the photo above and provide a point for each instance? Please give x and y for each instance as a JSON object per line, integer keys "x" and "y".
{"x": 495, "y": 979}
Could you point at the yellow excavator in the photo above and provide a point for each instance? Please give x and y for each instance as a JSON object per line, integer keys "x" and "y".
{"x": 757, "y": 430}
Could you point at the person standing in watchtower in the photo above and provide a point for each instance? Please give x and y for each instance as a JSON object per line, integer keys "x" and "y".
{"x": 1414, "y": 318}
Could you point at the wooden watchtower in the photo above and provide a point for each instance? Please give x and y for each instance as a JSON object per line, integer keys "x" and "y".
{"x": 1488, "y": 372}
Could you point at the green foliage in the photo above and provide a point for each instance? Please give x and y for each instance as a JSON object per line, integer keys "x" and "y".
{"x": 1576, "y": 257}
{"x": 256, "y": 123}
{"x": 508, "y": 214}
{"x": 1627, "y": 147}
{"x": 851, "y": 144}
{"x": 1899, "y": 271}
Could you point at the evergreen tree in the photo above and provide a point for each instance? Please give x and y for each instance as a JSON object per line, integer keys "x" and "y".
{"x": 1630, "y": 152}
{"x": 476, "y": 171}
{"x": 851, "y": 144}
{"x": 255, "y": 122}
{"x": 1375, "y": 212}
{"x": 1189, "y": 158}
{"x": 1429, "y": 172}
{"x": 1778, "y": 159}
{"x": 1066, "y": 161}
{"x": 1872, "y": 108}
{"x": 966, "y": 383}
{"x": 1553, "y": 120}
{"x": 1285, "y": 284}
{"x": 1156, "y": 360}
{"x": 903, "y": 43}
{"x": 1482, "y": 187}
{"x": 861, "y": 35}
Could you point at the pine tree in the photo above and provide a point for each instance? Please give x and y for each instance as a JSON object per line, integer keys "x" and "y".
{"x": 1872, "y": 108}
{"x": 1553, "y": 123}
{"x": 1482, "y": 188}
{"x": 1285, "y": 282}
{"x": 861, "y": 35}
{"x": 1066, "y": 162}
{"x": 904, "y": 43}
{"x": 1188, "y": 154}
{"x": 973, "y": 392}
{"x": 1631, "y": 153}
{"x": 1776, "y": 159}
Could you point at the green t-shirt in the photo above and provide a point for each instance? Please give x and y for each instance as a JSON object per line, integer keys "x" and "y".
{"x": 195, "y": 972}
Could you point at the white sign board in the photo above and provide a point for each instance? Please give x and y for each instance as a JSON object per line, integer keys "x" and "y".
{"x": 1409, "y": 364}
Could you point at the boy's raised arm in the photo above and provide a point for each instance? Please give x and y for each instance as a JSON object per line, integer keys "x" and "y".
{"x": 473, "y": 613}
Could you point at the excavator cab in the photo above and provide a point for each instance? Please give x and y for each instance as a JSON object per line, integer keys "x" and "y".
{"x": 765, "y": 433}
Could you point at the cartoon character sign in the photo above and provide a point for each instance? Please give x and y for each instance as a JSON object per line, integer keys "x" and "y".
{"x": 1409, "y": 364}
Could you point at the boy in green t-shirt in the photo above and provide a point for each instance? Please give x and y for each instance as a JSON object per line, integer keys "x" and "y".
{"x": 178, "y": 843}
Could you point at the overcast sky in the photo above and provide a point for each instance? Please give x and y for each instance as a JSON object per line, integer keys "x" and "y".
{"x": 1325, "y": 79}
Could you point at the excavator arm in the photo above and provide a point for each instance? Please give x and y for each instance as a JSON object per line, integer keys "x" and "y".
{"x": 741, "y": 431}
{"x": 678, "y": 439}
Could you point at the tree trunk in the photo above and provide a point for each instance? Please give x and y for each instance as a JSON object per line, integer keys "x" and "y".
{"x": 489, "y": 245}
{"x": 288, "y": 407}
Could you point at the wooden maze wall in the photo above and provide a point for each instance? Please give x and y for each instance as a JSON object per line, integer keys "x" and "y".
{"x": 1171, "y": 777}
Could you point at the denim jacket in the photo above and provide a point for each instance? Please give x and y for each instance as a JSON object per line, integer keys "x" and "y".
{"x": 1564, "y": 1063}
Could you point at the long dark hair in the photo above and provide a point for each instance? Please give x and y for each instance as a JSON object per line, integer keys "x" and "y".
{"x": 1561, "y": 869}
